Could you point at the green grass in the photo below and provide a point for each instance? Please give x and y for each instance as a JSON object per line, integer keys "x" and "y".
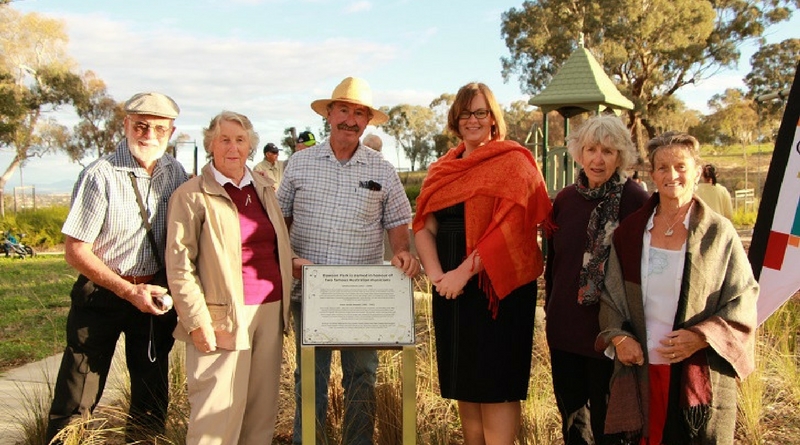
{"x": 736, "y": 151}
{"x": 34, "y": 300}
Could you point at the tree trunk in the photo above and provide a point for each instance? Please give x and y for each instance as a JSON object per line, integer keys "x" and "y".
{"x": 651, "y": 130}
{"x": 636, "y": 135}
{"x": 4, "y": 180}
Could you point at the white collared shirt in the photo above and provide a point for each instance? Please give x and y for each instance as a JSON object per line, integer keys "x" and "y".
{"x": 222, "y": 179}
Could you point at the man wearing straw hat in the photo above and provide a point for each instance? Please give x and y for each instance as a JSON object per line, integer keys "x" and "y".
{"x": 338, "y": 197}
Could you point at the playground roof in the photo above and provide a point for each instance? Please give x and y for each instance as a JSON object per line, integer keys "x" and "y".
{"x": 581, "y": 84}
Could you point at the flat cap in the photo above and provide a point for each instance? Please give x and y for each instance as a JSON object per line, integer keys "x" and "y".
{"x": 155, "y": 104}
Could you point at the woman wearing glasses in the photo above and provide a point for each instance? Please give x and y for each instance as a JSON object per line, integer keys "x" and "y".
{"x": 475, "y": 231}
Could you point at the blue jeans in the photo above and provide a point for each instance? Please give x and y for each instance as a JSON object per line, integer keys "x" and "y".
{"x": 359, "y": 367}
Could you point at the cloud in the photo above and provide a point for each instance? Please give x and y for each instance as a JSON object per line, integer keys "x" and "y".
{"x": 356, "y": 7}
{"x": 271, "y": 81}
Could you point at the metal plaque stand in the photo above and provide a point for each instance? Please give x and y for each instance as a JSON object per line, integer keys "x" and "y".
{"x": 307, "y": 367}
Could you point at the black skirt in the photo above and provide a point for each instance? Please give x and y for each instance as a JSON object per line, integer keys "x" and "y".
{"x": 480, "y": 359}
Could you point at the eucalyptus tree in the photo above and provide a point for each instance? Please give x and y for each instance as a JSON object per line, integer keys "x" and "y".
{"x": 38, "y": 79}
{"x": 444, "y": 139}
{"x": 101, "y": 122}
{"x": 413, "y": 128}
{"x": 733, "y": 116}
{"x": 651, "y": 49}
{"x": 772, "y": 71}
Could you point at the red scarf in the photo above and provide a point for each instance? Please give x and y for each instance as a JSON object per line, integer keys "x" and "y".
{"x": 505, "y": 199}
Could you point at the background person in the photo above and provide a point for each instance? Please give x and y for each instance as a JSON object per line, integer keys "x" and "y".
{"x": 637, "y": 179}
{"x": 578, "y": 242}
{"x": 715, "y": 195}
{"x": 305, "y": 140}
{"x": 475, "y": 231}
{"x": 270, "y": 167}
{"x": 338, "y": 199}
{"x": 120, "y": 272}
{"x": 230, "y": 271}
{"x": 679, "y": 310}
{"x": 373, "y": 141}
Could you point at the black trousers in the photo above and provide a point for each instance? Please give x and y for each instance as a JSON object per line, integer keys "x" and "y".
{"x": 96, "y": 319}
{"x": 581, "y": 386}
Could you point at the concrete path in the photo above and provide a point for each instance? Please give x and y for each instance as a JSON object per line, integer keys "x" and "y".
{"x": 27, "y": 389}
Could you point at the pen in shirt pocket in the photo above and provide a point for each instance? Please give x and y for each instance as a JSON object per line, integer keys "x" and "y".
{"x": 370, "y": 185}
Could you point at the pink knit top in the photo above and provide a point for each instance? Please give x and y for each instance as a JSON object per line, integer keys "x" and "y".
{"x": 261, "y": 272}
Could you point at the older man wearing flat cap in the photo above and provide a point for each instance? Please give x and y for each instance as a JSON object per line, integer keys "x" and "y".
{"x": 115, "y": 238}
{"x": 338, "y": 198}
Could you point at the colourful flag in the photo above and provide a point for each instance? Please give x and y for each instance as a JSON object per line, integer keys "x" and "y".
{"x": 775, "y": 249}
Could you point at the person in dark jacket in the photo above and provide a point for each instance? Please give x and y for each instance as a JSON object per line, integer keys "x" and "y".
{"x": 578, "y": 242}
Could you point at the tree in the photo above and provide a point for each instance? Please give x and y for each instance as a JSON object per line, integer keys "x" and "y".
{"x": 32, "y": 52}
{"x": 101, "y": 126}
{"x": 413, "y": 128}
{"x": 289, "y": 141}
{"x": 733, "y": 116}
{"x": 520, "y": 119}
{"x": 10, "y": 108}
{"x": 444, "y": 139}
{"x": 651, "y": 49}
{"x": 705, "y": 132}
{"x": 773, "y": 68}
{"x": 289, "y": 138}
{"x": 673, "y": 115}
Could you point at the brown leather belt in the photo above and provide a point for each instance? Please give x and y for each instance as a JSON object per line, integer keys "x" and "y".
{"x": 141, "y": 279}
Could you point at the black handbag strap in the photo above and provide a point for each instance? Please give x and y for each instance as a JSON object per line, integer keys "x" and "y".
{"x": 146, "y": 221}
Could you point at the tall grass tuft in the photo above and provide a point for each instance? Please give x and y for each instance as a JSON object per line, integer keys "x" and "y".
{"x": 106, "y": 426}
{"x": 32, "y": 421}
{"x": 768, "y": 400}
{"x": 178, "y": 410}
{"x": 751, "y": 405}
{"x": 540, "y": 418}
{"x": 777, "y": 373}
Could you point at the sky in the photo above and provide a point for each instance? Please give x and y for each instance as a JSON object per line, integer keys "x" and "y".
{"x": 269, "y": 59}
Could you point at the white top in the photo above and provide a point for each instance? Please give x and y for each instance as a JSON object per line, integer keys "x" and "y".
{"x": 661, "y": 297}
{"x": 662, "y": 271}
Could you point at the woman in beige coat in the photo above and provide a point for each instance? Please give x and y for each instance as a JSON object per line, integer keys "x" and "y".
{"x": 230, "y": 271}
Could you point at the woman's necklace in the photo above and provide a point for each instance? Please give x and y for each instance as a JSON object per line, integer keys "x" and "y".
{"x": 678, "y": 217}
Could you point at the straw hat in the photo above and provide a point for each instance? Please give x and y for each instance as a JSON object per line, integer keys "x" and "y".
{"x": 355, "y": 91}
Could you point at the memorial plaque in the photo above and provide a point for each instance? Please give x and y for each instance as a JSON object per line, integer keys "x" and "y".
{"x": 363, "y": 305}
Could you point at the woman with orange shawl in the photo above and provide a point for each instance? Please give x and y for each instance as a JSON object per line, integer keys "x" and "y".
{"x": 476, "y": 234}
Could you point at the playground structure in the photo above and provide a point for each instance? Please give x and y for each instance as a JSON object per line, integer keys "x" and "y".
{"x": 580, "y": 86}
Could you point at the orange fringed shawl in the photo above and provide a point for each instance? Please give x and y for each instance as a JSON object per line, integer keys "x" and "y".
{"x": 505, "y": 199}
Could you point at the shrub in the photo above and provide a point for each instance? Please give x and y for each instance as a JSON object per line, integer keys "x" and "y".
{"x": 412, "y": 191}
{"x": 743, "y": 217}
{"x": 42, "y": 227}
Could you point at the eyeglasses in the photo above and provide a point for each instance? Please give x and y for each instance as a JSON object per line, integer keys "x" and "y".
{"x": 143, "y": 129}
{"x": 480, "y": 113}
